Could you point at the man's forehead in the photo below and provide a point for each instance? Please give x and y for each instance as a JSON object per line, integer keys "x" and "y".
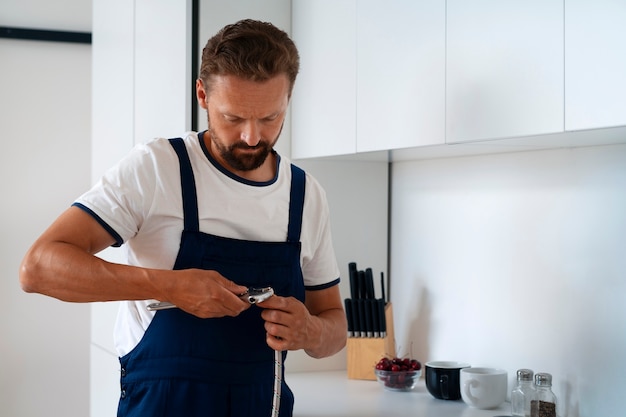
{"x": 235, "y": 96}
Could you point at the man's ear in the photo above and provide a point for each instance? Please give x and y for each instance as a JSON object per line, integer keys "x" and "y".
{"x": 201, "y": 94}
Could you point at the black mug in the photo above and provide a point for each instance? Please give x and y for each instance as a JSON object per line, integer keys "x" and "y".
{"x": 443, "y": 379}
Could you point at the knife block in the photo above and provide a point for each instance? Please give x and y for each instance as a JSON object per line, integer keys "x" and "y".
{"x": 364, "y": 352}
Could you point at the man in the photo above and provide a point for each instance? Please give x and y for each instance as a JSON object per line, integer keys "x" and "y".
{"x": 203, "y": 218}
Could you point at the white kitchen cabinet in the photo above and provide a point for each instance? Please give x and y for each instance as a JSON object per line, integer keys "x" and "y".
{"x": 504, "y": 69}
{"x": 400, "y": 74}
{"x": 112, "y": 87}
{"x": 495, "y": 75}
{"x": 162, "y": 83}
{"x": 323, "y": 116}
{"x": 595, "y": 64}
{"x": 372, "y": 76}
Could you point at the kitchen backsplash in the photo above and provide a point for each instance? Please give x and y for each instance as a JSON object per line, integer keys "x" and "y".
{"x": 516, "y": 260}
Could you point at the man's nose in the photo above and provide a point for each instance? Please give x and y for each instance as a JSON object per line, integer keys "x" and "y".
{"x": 251, "y": 134}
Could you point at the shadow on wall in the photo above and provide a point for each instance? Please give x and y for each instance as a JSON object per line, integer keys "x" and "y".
{"x": 569, "y": 403}
{"x": 419, "y": 319}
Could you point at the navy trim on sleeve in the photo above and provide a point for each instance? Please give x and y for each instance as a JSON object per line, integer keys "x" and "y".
{"x": 118, "y": 239}
{"x": 322, "y": 286}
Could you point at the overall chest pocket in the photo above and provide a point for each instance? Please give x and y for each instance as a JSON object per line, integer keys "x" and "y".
{"x": 283, "y": 276}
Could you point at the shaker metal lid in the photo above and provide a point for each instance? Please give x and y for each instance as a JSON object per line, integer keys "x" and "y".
{"x": 543, "y": 379}
{"x": 524, "y": 375}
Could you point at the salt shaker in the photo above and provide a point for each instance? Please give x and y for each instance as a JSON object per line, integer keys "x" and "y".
{"x": 522, "y": 394}
{"x": 543, "y": 403}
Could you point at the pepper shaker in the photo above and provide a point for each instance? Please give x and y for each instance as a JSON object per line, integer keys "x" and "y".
{"x": 543, "y": 403}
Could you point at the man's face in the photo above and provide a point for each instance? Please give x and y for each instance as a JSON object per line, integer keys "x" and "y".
{"x": 245, "y": 119}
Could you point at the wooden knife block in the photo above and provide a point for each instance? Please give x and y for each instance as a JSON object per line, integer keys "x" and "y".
{"x": 363, "y": 352}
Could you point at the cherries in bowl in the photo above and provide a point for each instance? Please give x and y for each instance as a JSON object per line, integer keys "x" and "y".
{"x": 398, "y": 374}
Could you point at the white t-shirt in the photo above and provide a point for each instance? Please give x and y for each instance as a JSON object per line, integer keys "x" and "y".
{"x": 139, "y": 201}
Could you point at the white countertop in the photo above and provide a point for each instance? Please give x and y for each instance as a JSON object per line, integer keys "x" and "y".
{"x": 320, "y": 394}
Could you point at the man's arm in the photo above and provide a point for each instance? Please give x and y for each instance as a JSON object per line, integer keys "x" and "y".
{"x": 319, "y": 326}
{"x": 62, "y": 264}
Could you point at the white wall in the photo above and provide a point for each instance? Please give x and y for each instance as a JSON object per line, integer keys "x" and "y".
{"x": 517, "y": 260}
{"x": 45, "y": 115}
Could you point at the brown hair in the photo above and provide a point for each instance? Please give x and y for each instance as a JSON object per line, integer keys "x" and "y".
{"x": 252, "y": 50}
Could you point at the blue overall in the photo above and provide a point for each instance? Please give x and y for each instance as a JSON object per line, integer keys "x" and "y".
{"x": 188, "y": 366}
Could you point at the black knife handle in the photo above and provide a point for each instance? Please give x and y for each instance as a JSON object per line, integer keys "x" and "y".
{"x": 375, "y": 312}
{"x": 354, "y": 285}
{"x": 349, "y": 319}
{"x": 382, "y": 285}
{"x": 362, "y": 317}
{"x": 356, "y": 318}
{"x": 362, "y": 285}
{"x": 382, "y": 317}
{"x": 369, "y": 283}
{"x": 367, "y": 307}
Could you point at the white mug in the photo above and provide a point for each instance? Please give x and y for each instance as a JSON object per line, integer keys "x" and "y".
{"x": 483, "y": 388}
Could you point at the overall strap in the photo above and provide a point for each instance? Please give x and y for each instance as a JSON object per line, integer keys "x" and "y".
{"x": 296, "y": 204}
{"x": 188, "y": 184}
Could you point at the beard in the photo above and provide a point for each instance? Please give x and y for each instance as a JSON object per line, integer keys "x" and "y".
{"x": 244, "y": 160}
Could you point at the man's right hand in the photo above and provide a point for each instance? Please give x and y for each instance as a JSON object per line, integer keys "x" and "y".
{"x": 205, "y": 293}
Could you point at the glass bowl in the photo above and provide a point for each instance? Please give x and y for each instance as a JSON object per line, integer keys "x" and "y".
{"x": 398, "y": 380}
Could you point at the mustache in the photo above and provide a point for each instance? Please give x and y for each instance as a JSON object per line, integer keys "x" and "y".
{"x": 244, "y": 145}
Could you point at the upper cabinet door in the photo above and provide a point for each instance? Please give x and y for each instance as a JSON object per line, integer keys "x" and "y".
{"x": 595, "y": 64}
{"x": 400, "y": 73}
{"x": 504, "y": 68}
{"x": 323, "y": 105}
